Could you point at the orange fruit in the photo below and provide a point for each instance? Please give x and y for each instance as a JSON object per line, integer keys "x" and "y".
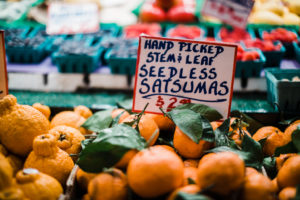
{"x": 290, "y": 129}
{"x": 296, "y": 122}
{"x": 126, "y": 158}
{"x": 189, "y": 173}
{"x": 3, "y": 150}
{"x": 83, "y": 178}
{"x": 155, "y": 171}
{"x": 39, "y": 186}
{"x": 83, "y": 111}
{"x": 19, "y": 124}
{"x": 43, "y": 109}
{"x": 69, "y": 118}
{"x": 191, "y": 163}
{"x": 6, "y": 173}
{"x": 15, "y": 162}
{"x": 12, "y": 193}
{"x": 282, "y": 158}
{"x": 215, "y": 124}
{"x": 163, "y": 122}
{"x": 217, "y": 170}
{"x": 68, "y": 138}
{"x": 190, "y": 189}
{"x": 289, "y": 173}
{"x": 275, "y": 185}
{"x": 257, "y": 186}
{"x": 287, "y": 193}
{"x": 187, "y": 147}
{"x": 250, "y": 170}
{"x": 118, "y": 111}
{"x": 110, "y": 185}
{"x": 49, "y": 159}
{"x": 166, "y": 147}
{"x": 275, "y": 139}
{"x": 147, "y": 127}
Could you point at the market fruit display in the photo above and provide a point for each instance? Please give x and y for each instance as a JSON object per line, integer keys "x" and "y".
{"x": 19, "y": 124}
{"x": 117, "y": 161}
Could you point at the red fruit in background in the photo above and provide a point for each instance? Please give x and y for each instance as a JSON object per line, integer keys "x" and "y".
{"x": 188, "y": 32}
{"x": 181, "y": 14}
{"x": 166, "y": 4}
{"x": 212, "y": 39}
{"x": 249, "y": 56}
{"x": 280, "y": 34}
{"x": 234, "y": 35}
{"x": 152, "y": 13}
{"x": 135, "y": 30}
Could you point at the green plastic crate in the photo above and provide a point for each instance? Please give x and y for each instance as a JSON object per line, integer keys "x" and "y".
{"x": 297, "y": 51}
{"x": 285, "y": 93}
{"x": 247, "y": 69}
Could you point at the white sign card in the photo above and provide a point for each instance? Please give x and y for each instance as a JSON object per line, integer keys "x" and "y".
{"x": 170, "y": 72}
{"x": 3, "y": 72}
{"x": 233, "y": 12}
{"x": 72, "y": 18}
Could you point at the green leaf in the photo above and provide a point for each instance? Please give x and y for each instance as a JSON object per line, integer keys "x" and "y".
{"x": 98, "y": 121}
{"x": 191, "y": 181}
{"x": 262, "y": 141}
{"x": 109, "y": 147}
{"x": 254, "y": 150}
{"x": 221, "y": 135}
{"x": 254, "y": 125}
{"x": 296, "y": 138}
{"x": 186, "y": 196}
{"x": 188, "y": 122}
{"x": 125, "y": 104}
{"x": 209, "y": 113}
{"x": 297, "y": 197}
{"x": 85, "y": 142}
{"x": 251, "y": 152}
{"x": 269, "y": 164}
{"x": 207, "y": 131}
{"x": 288, "y": 148}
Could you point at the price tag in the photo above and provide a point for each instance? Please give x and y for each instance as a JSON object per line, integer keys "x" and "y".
{"x": 3, "y": 72}
{"x": 233, "y": 12}
{"x": 66, "y": 18}
{"x": 170, "y": 72}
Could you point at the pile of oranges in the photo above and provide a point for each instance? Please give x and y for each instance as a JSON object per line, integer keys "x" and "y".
{"x": 35, "y": 159}
{"x": 182, "y": 169}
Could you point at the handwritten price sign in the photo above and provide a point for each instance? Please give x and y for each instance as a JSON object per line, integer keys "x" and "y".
{"x": 171, "y": 72}
{"x": 66, "y": 18}
{"x": 233, "y": 12}
{"x": 3, "y": 73}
